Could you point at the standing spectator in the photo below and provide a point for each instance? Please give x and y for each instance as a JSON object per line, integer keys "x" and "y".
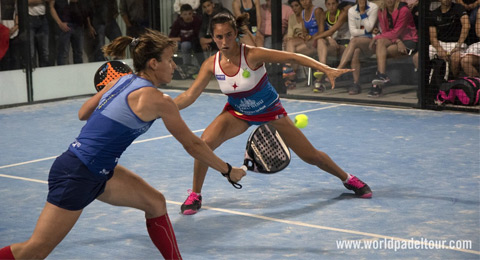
{"x": 195, "y": 4}
{"x": 9, "y": 57}
{"x": 185, "y": 30}
{"x": 210, "y": 9}
{"x": 102, "y": 23}
{"x": 295, "y": 42}
{"x": 448, "y": 27}
{"x": 252, "y": 9}
{"x": 135, "y": 15}
{"x": 266, "y": 24}
{"x": 399, "y": 37}
{"x": 39, "y": 32}
{"x": 71, "y": 17}
{"x": 331, "y": 42}
{"x": 362, "y": 19}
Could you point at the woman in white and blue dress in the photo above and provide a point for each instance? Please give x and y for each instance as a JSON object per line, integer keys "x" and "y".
{"x": 252, "y": 100}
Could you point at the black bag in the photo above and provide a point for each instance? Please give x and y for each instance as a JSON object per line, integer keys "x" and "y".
{"x": 438, "y": 76}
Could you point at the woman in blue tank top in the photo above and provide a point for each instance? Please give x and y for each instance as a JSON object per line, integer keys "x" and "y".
{"x": 120, "y": 112}
{"x": 233, "y": 77}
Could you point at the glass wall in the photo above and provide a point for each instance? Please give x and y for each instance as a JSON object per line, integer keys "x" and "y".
{"x": 385, "y": 41}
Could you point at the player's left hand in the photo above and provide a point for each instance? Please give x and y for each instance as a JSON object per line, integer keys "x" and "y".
{"x": 333, "y": 73}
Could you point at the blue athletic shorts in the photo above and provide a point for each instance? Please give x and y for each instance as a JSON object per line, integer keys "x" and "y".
{"x": 71, "y": 185}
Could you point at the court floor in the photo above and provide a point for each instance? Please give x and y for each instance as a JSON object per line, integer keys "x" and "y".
{"x": 423, "y": 168}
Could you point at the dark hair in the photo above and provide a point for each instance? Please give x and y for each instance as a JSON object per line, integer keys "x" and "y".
{"x": 148, "y": 45}
{"x": 291, "y": 1}
{"x": 204, "y": 1}
{"x": 225, "y": 17}
{"x": 186, "y": 7}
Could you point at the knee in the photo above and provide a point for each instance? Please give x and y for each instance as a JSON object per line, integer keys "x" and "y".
{"x": 156, "y": 205}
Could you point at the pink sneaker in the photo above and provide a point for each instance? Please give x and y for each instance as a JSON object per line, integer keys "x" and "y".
{"x": 360, "y": 188}
{"x": 192, "y": 204}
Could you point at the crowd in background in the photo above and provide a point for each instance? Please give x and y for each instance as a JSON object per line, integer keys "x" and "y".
{"x": 342, "y": 33}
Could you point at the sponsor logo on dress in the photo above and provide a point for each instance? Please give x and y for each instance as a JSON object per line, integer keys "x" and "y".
{"x": 220, "y": 77}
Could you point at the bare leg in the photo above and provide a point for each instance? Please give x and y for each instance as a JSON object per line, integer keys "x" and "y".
{"x": 356, "y": 65}
{"x": 381, "y": 51}
{"x": 295, "y": 139}
{"x": 470, "y": 65}
{"x": 455, "y": 63}
{"x": 52, "y": 226}
{"x": 356, "y": 42}
{"x": 128, "y": 189}
{"x": 224, "y": 127}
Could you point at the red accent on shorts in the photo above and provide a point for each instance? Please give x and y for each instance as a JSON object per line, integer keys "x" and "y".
{"x": 279, "y": 112}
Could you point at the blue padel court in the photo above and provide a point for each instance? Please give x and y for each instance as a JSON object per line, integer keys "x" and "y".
{"x": 423, "y": 168}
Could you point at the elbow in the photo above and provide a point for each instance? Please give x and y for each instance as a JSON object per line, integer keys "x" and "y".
{"x": 82, "y": 116}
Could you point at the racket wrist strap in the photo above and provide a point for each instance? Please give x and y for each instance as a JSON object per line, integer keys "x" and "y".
{"x": 227, "y": 175}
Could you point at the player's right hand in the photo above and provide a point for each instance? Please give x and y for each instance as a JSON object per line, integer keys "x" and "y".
{"x": 237, "y": 174}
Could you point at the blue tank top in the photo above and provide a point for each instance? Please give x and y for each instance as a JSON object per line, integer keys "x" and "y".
{"x": 111, "y": 128}
{"x": 310, "y": 24}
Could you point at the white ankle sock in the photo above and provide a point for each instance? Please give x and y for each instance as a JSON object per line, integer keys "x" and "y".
{"x": 348, "y": 178}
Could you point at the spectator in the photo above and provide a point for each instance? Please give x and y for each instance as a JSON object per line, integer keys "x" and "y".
{"x": 39, "y": 32}
{"x": 471, "y": 6}
{"x": 210, "y": 9}
{"x": 71, "y": 17}
{"x": 413, "y": 6}
{"x": 448, "y": 29}
{"x": 195, "y": 4}
{"x": 332, "y": 41}
{"x": 295, "y": 42}
{"x": 362, "y": 19}
{"x": 135, "y": 15}
{"x": 185, "y": 30}
{"x": 470, "y": 60}
{"x": 102, "y": 23}
{"x": 266, "y": 28}
{"x": 398, "y": 38}
{"x": 9, "y": 52}
{"x": 252, "y": 9}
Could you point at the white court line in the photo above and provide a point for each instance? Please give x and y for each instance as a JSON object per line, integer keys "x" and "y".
{"x": 160, "y": 137}
{"x": 289, "y": 222}
{"x": 302, "y": 224}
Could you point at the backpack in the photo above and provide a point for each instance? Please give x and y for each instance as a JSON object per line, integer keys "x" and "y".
{"x": 464, "y": 91}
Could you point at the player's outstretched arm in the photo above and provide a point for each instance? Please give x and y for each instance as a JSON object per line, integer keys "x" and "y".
{"x": 164, "y": 107}
{"x": 257, "y": 56}
{"x": 190, "y": 95}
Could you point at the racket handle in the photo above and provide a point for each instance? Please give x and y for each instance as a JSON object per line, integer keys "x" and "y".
{"x": 243, "y": 167}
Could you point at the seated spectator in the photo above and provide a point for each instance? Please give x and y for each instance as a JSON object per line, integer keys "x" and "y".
{"x": 185, "y": 30}
{"x": 252, "y": 9}
{"x": 398, "y": 38}
{"x": 135, "y": 15}
{"x": 210, "y": 9}
{"x": 332, "y": 41}
{"x": 102, "y": 23}
{"x": 470, "y": 60}
{"x": 448, "y": 28}
{"x": 295, "y": 42}
{"x": 362, "y": 19}
{"x": 9, "y": 48}
{"x": 266, "y": 28}
{"x": 71, "y": 17}
{"x": 471, "y": 6}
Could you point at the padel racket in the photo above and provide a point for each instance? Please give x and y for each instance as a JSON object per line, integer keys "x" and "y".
{"x": 109, "y": 71}
{"x": 266, "y": 152}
